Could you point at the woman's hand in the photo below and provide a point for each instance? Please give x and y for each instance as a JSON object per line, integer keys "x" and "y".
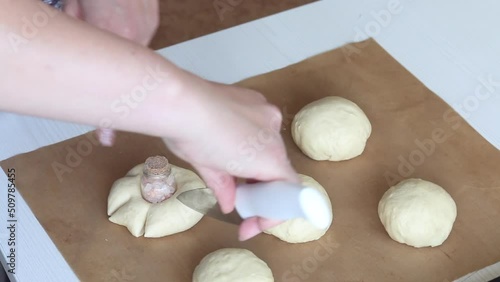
{"x": 223, "y": 131}
{"x": 136, "y": 20}
{"x": 230, "y": 132}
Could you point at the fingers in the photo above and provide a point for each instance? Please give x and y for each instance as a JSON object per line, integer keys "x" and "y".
{"x": 271, "y": 164}
{"x": 223, "y": 185}
{"x": 253, "y": 226}
{"x": 245, "y": 95}
{"x": 269, "y": 159}
{"x": 152, "y": 10}
{"x": 72, "y": 8}
{"x": 106, "y": 136}
{"x": 280, "y": 167}
{"x": 256, "y": 96}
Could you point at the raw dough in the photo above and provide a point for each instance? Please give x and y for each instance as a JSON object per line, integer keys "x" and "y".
{"x": 418, "y": 213}
{"x": 299, "y": 230}
{"x": 231, "y": 265}
{"x": 332, "y": 128}
{"x": 127, "y": 207}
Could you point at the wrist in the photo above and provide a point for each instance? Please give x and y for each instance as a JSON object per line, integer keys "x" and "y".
{"x": 170, "y": 108}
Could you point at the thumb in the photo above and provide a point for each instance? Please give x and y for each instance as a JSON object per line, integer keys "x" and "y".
{"x": 253, "y": 226}
{"x": 223, "y": 185}
{"x": 72, "y": 8}
{"x": 274, "y": 169}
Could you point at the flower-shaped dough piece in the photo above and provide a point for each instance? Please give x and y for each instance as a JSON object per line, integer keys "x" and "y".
{"x": 127, "y": 207}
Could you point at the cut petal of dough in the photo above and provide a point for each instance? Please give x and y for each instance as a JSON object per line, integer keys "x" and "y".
{"x": 121, "y": 192}
{"x": 170, "y": 219}
{"x": 137, "y": 170}
{"x": 132, "y": 215}
{"x": 171, "y": 216}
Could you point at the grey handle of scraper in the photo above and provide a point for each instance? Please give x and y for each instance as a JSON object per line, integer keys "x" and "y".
{"x": 280, "y": 200}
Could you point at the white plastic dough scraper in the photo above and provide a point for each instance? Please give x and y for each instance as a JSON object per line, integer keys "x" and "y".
{"x": 276, "y": 200}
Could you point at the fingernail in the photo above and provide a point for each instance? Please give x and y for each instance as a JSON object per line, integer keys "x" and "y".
{"x": 106, "y": 137}
{"x": 226, "y": 209}
{"x": 249, "y": 235}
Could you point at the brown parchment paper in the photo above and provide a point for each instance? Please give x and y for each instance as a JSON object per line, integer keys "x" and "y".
{"x": 188, "y": 19}
{"x": 405, "y": 116}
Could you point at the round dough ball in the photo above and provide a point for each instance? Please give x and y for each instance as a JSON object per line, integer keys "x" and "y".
{"x": 418, "y": 213}
{"x": 299, "y": 230}
{"x": 230, "y": 265}
{"x": 332, "y": 128}
{"x": 127, "y": 207}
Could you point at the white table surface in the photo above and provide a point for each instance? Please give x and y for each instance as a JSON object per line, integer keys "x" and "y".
{"x": 448, "y": 45}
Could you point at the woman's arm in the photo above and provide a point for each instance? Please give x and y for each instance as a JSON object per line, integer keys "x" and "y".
{"x": 65, "y": 69}
{"x": 57, "y": 67}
